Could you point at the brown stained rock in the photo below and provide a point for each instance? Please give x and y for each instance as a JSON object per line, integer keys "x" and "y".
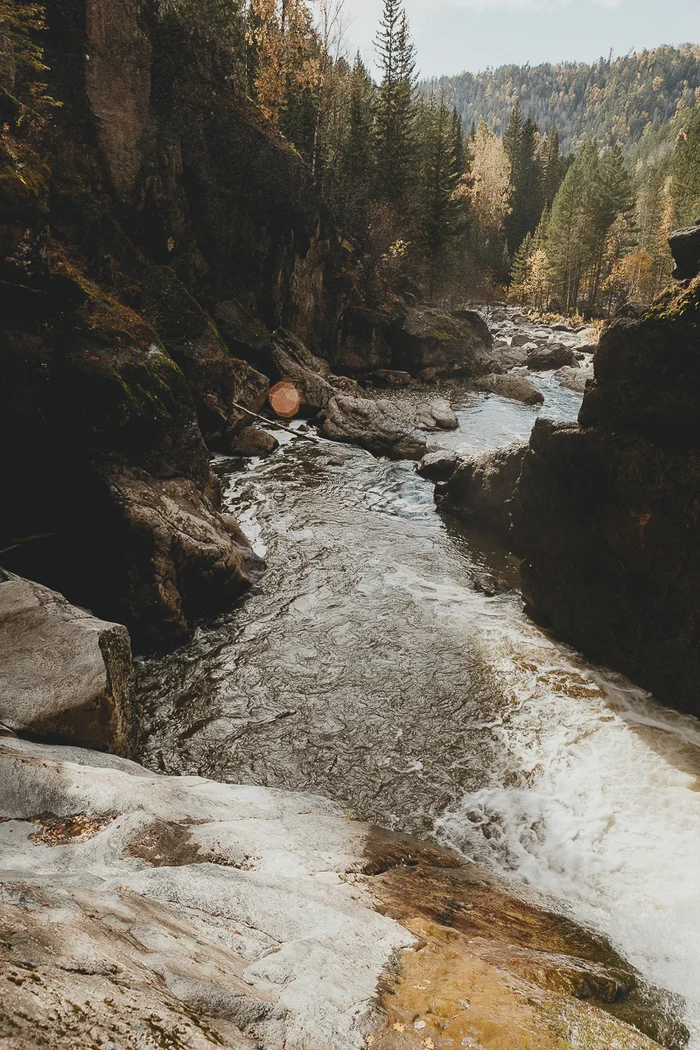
{"x": 63, "y": 672}
{"x": 118, "y": 85}
{"x": 493, "y": 972}
{"x": 272, "y": 919}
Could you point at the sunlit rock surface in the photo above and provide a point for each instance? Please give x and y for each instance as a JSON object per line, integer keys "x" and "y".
{"x": 143, "y": 910}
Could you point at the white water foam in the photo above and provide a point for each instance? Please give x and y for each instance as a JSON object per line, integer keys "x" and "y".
{"x": 595, "y": 798}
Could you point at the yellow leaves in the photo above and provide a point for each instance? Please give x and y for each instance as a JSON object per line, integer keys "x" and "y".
{"x": 398, "y": 1027}
{"x": 428, "y": 1044}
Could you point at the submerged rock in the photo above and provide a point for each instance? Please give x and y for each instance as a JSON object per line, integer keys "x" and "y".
{"x": 436, "y": 415}
{"x": 514, "y": 387}
{"x": 63, "y": 672}
{"x": 139, "y": 910}
{"x": 479, "y": 490}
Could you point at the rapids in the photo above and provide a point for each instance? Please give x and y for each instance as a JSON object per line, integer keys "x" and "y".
{"x": 380, "y": 663}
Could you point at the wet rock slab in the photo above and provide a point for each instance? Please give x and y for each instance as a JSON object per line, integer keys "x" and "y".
{"x": 149, "y": 911}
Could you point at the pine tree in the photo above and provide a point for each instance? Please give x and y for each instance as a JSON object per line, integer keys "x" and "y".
{"x": 22, "y": 58}
{"x": 521, "y": 143}
{"x": 552, "y": 167}
{"x": 685, "y": 186}
{"x": 357, "y": 154}
{"x": 395, "y": 111}
{"x": 511, "y": 139}
{"x": 460, "y": 149}
{"x": 440, "y": 209}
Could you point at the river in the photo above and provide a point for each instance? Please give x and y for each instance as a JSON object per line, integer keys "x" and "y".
{"x": 383, "y": 663}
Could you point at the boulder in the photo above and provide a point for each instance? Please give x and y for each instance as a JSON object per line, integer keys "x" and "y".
{"x": 514, "y": 387}
{"x": 685, "y": 249}
{"x": 550, "y": 356}
{"x": 520, "y": 339}
{"x": 427, "y": 375}
{"x": 479, "y": 490}
{"x": 454, "y": 344}
{"x": 64, "y": 674}
{"x": 311, "y": 375}
{"x": 141, "y": 910}
{"x": 436, "y": 415}
{"x": 380, "y": 426}
{"x": 177, "y": 558}
{"x": 386, "y": 377}
{"x": 440, "y": 465}
{"x": 575, "y": 378}
{"x": 252, "y": 441}
{"x": 106, "y": 416}
{"x": 647, "y": 373}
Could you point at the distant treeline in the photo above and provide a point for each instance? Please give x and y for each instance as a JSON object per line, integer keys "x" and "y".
{"x": 616, "y": 100}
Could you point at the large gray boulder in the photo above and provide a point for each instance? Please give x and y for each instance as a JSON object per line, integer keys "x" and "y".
{"x": 454, "y": 343}
{"x": 479, "y": 491}
{"x": 380, "y": 426}
{"x": 513, "y": 387}
{"x": 63, "y": 672}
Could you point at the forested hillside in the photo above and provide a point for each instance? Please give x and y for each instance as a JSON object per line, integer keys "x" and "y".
{"x": 612, "y": 101}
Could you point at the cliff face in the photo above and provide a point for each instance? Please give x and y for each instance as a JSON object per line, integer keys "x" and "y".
{"x": 607, "y": 512}
{"x": 153, "y": 199}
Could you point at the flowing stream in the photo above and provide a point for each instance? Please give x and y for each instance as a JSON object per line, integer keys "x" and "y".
{"x": 383, "y": 664}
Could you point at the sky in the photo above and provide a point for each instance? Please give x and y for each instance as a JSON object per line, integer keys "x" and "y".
{"x": 457, "y": 35}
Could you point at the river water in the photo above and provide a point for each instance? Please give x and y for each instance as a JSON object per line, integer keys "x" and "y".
{"x": 383, "y": 663}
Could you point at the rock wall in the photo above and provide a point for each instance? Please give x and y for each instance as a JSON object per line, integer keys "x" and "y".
{"x": 607, "y": 512}
{"x": 152, "y": 199}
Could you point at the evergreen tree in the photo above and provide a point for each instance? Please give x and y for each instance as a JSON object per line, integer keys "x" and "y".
{"x": 440, "y": 210}
{"x": 685, "y": 186}
{"x": 512, "y": 137}
{"x": 460, "y": 149}
{"x": 357, "y": 155}
{"x": 521, "y": 145}
{"x": 395, "y": 111}
{"x": 552, "y": 173}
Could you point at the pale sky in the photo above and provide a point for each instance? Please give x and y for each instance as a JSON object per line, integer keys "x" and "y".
{"x": 454, "y": 35}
